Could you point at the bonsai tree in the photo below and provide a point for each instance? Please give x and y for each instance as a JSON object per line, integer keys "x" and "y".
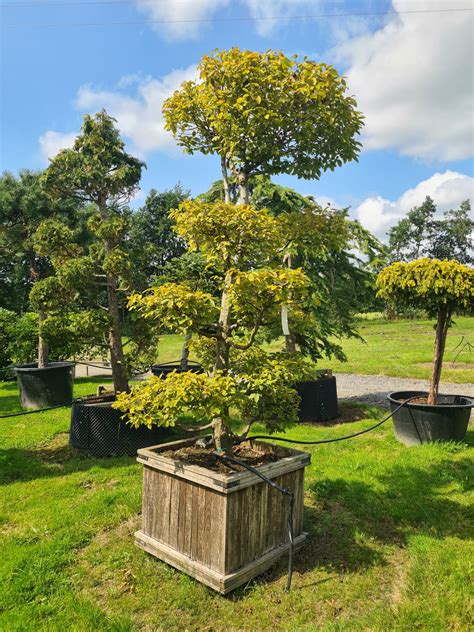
{"x": 265, "y": 113}
{"x": 99, "y": 171}
{"x": 442, "y": 288}
{"x": 244, "y": 245}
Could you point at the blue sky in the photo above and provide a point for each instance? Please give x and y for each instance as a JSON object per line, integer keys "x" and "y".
{"x": 409, "y": 65}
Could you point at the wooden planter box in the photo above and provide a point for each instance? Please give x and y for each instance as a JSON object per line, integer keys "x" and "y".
{"x": 221, "y": 529}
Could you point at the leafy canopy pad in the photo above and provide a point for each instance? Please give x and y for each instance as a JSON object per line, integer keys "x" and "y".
{"x": 428, "y": 283}
{"x": 175, "y": 306}
{"x": 227, "y": 234}
{"x": 266, "y": 113}
{"x": 97, "y": 168}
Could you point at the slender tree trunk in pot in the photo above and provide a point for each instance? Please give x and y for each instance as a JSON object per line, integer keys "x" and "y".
{"x": 115, "y": 334}
{"x": 223, "y": 435}
{"x": 43, "y": 349}
{"x": 439, "y": 347}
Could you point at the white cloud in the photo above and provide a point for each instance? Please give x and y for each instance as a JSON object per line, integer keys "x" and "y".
{"x": 51, "y": 142}
{"x": 263, "y": 10}
{"x": 139, "y": 117}
{"x": 181, "y": 16}
{"x": 447, "y": 189}
{"x": 179, "y": 19}
{"x": 414, "y": 82}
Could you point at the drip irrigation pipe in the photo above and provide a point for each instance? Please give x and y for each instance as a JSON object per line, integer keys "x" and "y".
{"x": 39, "y": 410}
{"x": 287, "y": 492}
{"x": 335, "y": 439}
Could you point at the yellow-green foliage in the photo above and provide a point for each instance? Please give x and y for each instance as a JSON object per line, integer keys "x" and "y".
{"x": 263, "y": 292}
{"x": 259, "y": 387}
{"x": 175, "y": 307}
{"x": 227, "y": 234}
{"x": 266, "y": 113}
{"x": 427, "y": 284}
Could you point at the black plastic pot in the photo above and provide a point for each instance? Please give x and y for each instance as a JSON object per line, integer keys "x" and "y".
{"x": 49, "y": 386}
{"x": 100, "y": 430}
{"x": 164, "y": 369}
{"x": 415, "y": 424}
{"x": 318, "y": 399}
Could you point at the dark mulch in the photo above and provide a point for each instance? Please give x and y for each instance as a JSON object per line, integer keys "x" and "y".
{"x": 193, "y": 455}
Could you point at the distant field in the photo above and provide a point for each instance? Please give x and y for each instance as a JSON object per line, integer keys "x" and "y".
{"x": 402, "y": 348}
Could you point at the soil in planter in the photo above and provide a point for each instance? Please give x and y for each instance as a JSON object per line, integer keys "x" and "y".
{"x": 424, "y": 400}
{"x": 193, "y": 455}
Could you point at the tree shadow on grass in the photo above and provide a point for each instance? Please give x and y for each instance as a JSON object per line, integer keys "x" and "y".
{"x": 349, "y": 523}
{"x": 56, "y": 458}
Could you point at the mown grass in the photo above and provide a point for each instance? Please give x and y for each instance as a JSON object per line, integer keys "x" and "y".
{"x": 401, "y": 348}
{"x": 389, "y": 539}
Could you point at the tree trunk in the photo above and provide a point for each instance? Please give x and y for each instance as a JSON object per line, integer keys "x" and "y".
{"x": 244, "y": 193}
{"x": 43, "y": 349}
{"x": 222, "y": 351}
{"x": 442, "y": 326}
{"x": 225, "y": 180}
{"x": 115, "y": 335}
{"x": 290, "y": 345}
{"x": 223, "y": 435}
{"x": 115, "y": 338}
{"x": 185, "y": 351}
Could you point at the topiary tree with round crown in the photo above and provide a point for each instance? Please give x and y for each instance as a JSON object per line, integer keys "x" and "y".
{"x": 265, "y": 113}
{"x": 442, "y": 288}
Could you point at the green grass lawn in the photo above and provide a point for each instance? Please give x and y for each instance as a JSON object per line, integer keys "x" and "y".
{"x": 388, "y": 547}
{"x": 402, "y": 348}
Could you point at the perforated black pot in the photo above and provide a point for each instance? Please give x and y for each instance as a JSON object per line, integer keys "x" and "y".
{"x": 318, "y": 399}
{"x": 49, "y": 386}
{"x": 100, "y": 430}
{"x": 415, "y": 424}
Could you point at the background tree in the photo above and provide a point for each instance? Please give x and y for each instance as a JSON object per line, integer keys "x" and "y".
{"x": 23, "y": 206}
{"x": 338, "y": 255}
{"x": 98, "y": 170}
{"x": 265, "y": 113}
{"x": 453, "y": 236}
{"x": 442, "y": 288}
{"x": 420, "y": 234}
{"x": 152, "y": 241}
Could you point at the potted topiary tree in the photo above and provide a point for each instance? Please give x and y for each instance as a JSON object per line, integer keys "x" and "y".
{"x": 46, "y": 383}
{"x": 266, "y": 114}
{"x": 442, "y": 288}
{"x": 222, "y": 527}
{"x": 98, "y": 171}
{"x": 24, "y": 206}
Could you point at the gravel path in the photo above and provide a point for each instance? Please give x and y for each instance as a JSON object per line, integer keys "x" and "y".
{"x": 373, "y": 389}
{"x": 367, "y": 389}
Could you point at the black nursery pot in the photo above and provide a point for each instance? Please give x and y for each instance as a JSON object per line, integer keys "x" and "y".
{"x": 415, "y": 424}
{"x": 318, "y": 399}
{"x": 49, "y": 386}
{"x": 100, "y": 430}
{"x": 164, "y": 369}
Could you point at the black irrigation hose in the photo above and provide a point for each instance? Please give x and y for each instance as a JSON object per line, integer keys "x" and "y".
{"x": 334, "y": 440}
{"x": 39, "y": 410}
{"x": 282, "y": 490}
